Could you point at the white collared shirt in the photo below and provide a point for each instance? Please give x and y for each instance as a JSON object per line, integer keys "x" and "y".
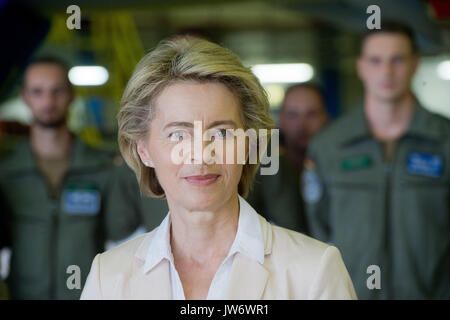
{"x": 248, "y": 241}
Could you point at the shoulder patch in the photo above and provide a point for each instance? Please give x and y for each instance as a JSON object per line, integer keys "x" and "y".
{"x": 312, "y": 188}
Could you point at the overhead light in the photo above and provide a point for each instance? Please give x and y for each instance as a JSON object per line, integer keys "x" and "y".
{"x": 88, "y": 75}
{"x": 443, "y": 70}
{"x": 283, "y": 73}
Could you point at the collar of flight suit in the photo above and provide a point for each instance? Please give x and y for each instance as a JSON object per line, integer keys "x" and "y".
{"x": 81, "y": 157}
{"x": 424, "y": 124}
{"x": 357, "y": 127}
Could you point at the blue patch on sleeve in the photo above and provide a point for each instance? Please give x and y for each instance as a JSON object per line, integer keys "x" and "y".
{"x": 81, "y": 201}
{"x": 425, "y": 164}
{"x": 312, "y": 188}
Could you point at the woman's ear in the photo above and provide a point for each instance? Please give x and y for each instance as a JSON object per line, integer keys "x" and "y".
{"x": 144, "y": 154}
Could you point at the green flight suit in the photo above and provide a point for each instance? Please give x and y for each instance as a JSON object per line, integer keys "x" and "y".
{"x": 151, "y": 211}
{"x": 278, "y": 197}
{"x": 50, "y": 234}
{"x": 394, "y": 215}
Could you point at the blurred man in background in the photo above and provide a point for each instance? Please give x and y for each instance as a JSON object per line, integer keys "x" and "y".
{"x": 62, "y": 196}
{"x": 151, "y": 211}
{"x": 278, "y": 197}
{"x": 302, "y": 115}
{"x": 377, "y": 181}
{"x": 10, "y": 131}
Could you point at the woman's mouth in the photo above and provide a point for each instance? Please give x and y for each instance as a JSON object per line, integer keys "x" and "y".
{"x": 202, "y": 180}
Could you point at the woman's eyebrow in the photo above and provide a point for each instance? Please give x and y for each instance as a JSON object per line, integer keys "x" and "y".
{"x": 190, "y": 125}
{"x": 178, "y": 124}
{"x": 222, "y": 122}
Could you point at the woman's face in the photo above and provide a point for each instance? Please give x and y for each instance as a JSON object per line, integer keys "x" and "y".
{"x": 193, "y": 184}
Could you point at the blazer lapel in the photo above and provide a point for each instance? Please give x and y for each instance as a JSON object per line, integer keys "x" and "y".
{"x": 153, "y": 285}
{"x": 248, "y": 279}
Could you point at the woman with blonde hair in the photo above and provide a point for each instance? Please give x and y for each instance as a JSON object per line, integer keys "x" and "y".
{"x": 212, "y": 244}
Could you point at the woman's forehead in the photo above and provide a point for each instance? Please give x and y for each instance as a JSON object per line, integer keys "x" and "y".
{"x": 193, "y": 101}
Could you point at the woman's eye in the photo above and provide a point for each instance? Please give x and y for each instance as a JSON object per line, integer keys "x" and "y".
{"x": 223, "y": 134}
{"x": 176, "y": 136}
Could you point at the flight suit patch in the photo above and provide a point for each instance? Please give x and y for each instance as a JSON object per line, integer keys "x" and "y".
{"x": 81, "y": 199}
{"x": 425, "y": 164}
{"x": 355, "y": 163}
{"x": 312, "y": 188}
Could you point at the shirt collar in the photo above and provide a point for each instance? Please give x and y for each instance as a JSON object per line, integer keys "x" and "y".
{"x": 248, "y": 241}
{"x": 159, "y": 247}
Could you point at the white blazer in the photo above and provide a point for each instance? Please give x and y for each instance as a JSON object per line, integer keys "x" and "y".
{"x": 295, "y": 267}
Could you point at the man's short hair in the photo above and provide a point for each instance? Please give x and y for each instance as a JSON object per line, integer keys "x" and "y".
{"x": 307, "y": 85}
{"x": 49, "y": 60}
{"x": 390, "y": 27}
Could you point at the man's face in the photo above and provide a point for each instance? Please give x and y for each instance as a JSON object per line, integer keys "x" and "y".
{"x": 47, "y": 93}
{"x": 302, "y": 115}
{"x": 386, "y": 66}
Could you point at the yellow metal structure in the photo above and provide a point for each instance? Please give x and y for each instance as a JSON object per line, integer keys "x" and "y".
{"x": 115, "y": 43}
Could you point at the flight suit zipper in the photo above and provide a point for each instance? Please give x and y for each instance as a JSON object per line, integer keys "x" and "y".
{"x": 386, "y": 269}
{"x": 54, "y": 249}
{"x": 51, "y": 247}
{"x": 388, "y": 229}
{"x": 54, "y": 235}
{"x": 389, "y": 167}
{"x": 56, "y": 230}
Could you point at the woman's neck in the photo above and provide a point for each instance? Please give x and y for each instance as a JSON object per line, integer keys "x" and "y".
{"x": 202, "y": 236}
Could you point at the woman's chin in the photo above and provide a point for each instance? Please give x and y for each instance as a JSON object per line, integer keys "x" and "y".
{"x": 202, "y": 200}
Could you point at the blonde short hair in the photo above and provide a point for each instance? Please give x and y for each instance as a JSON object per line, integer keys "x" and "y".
{"x": 186, "y": 59}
